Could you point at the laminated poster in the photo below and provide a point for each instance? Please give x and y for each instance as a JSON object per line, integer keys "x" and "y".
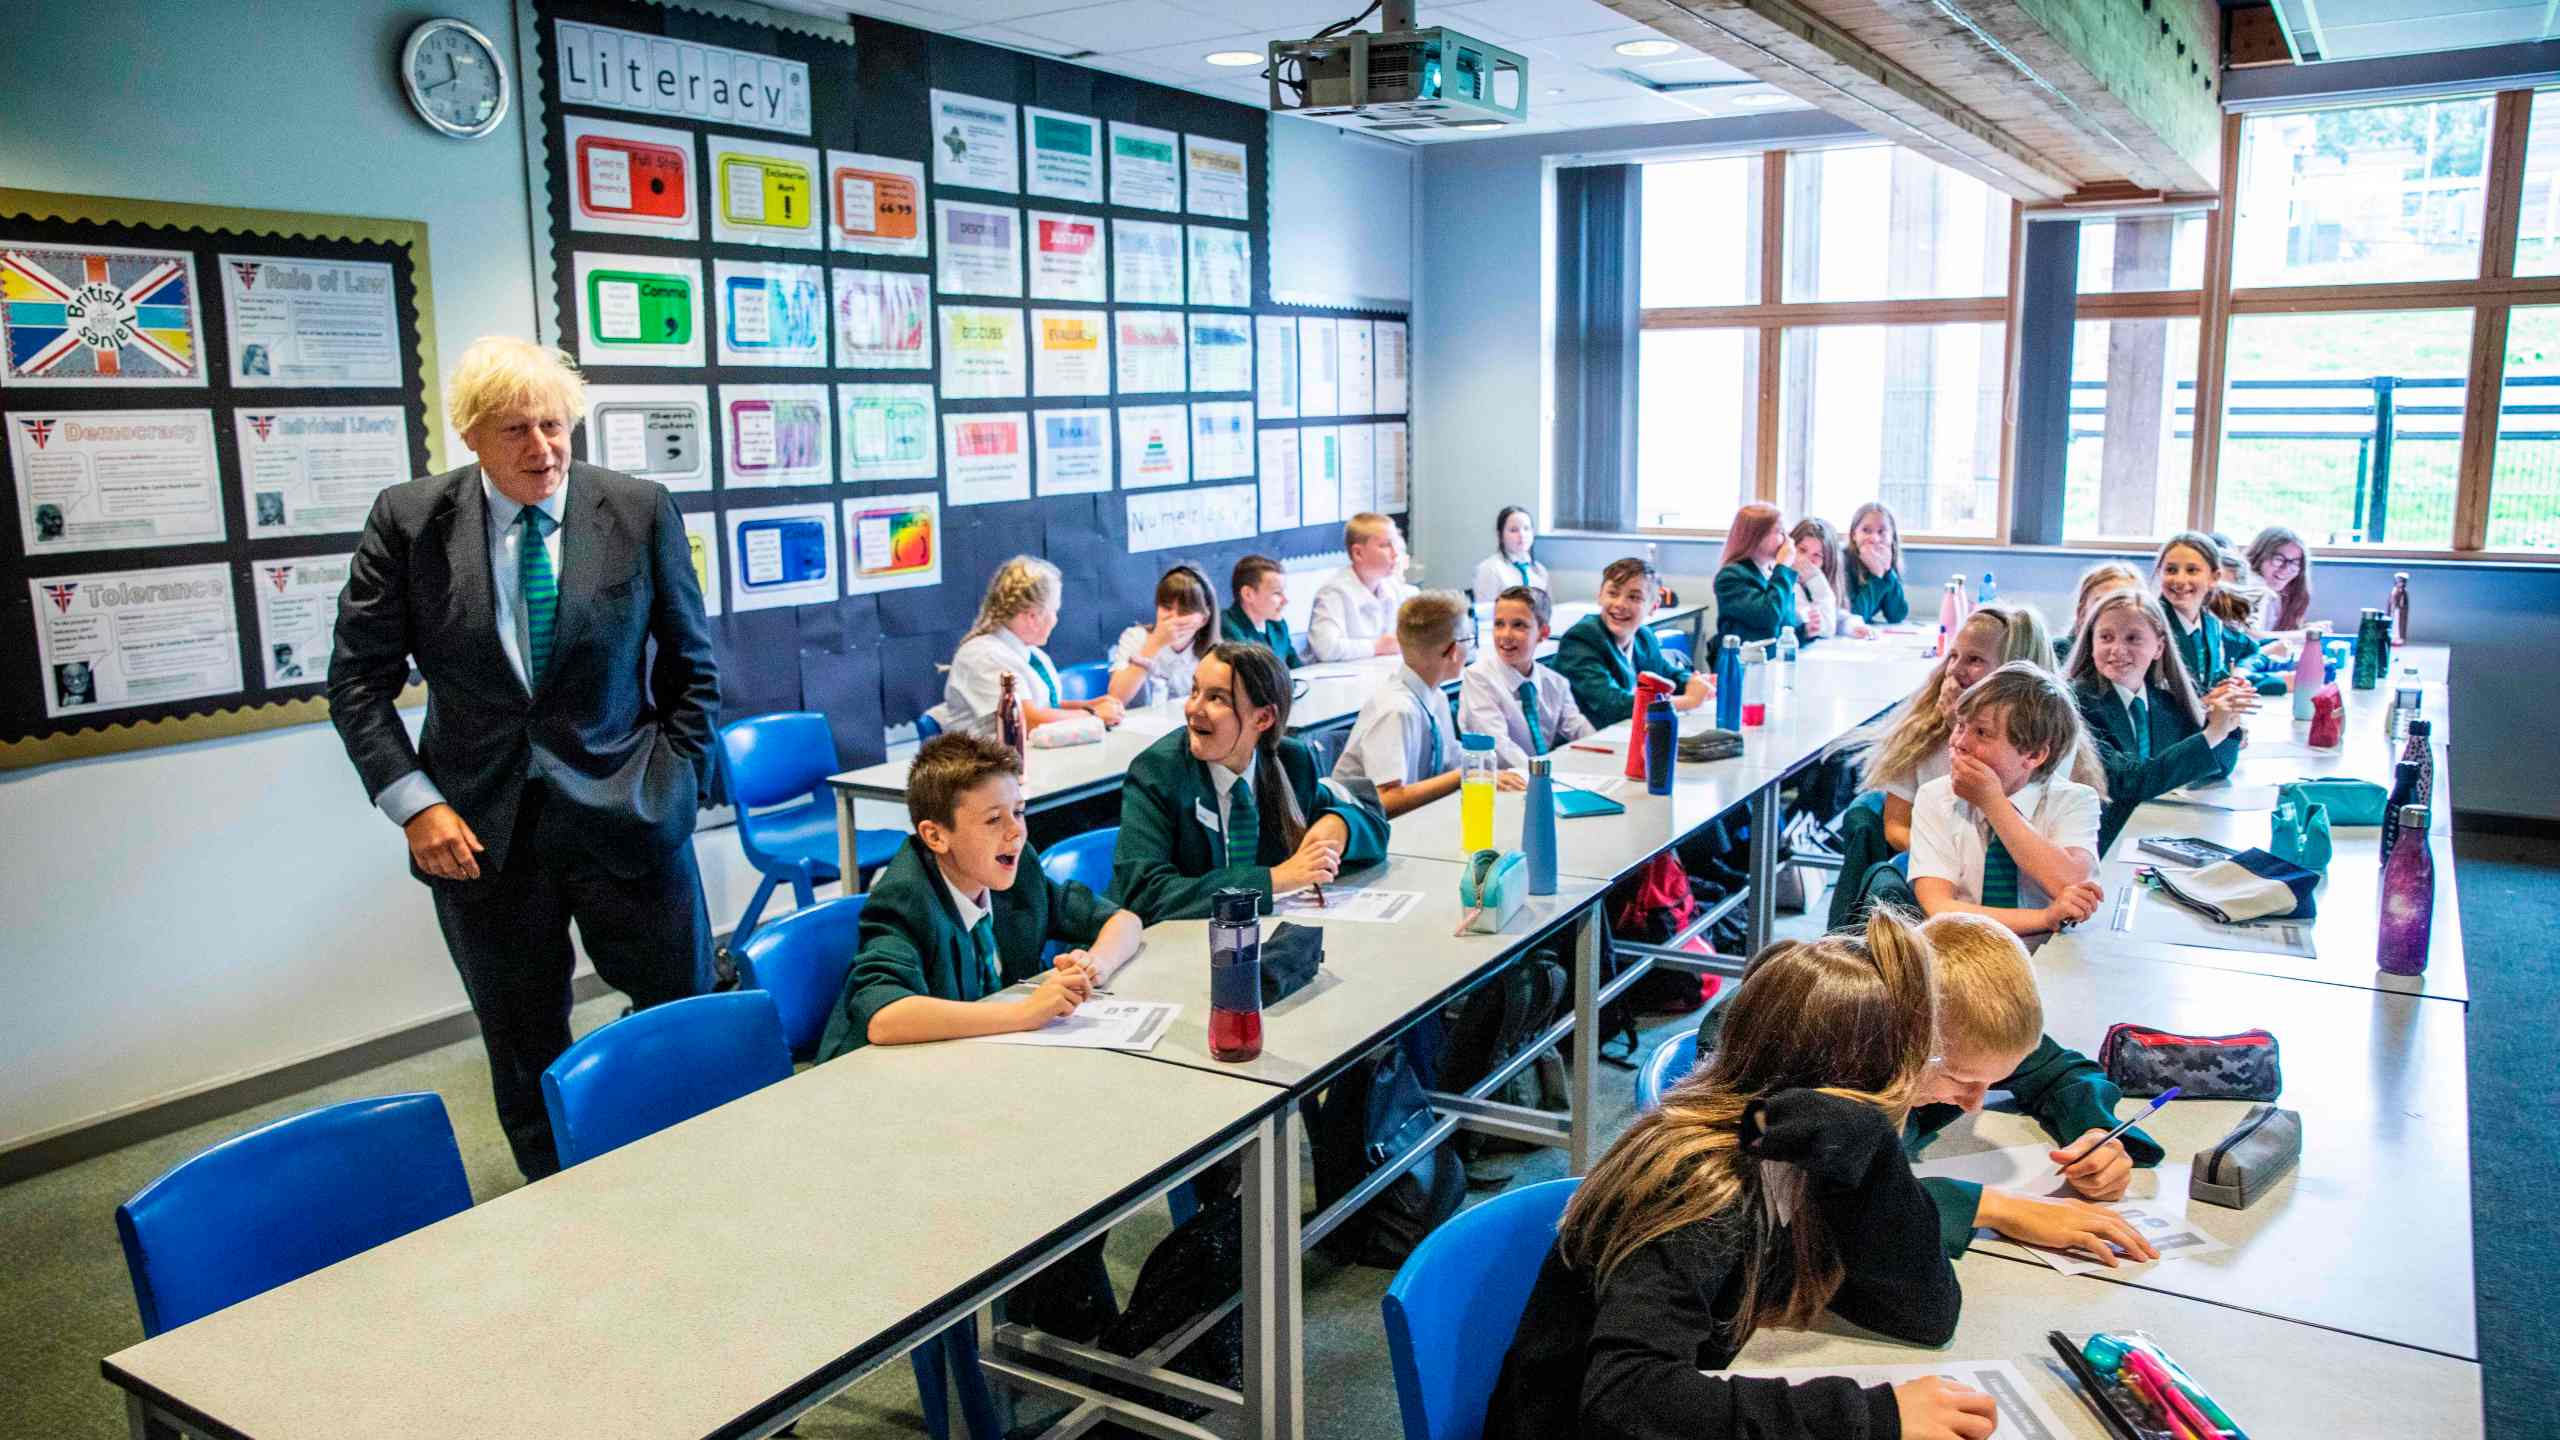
{"x": 781, "y": 555}
{"x": 1070, "y": 352}
{"x": 1062, "y": 155}
{"x": 1319, "y": 389}
{"x": 1189, "y": 517}
{"x": 877, "y": 204}
{"x": 1155, "y": 446}
{"x": 986, "y": 457}
{"x": 973, "y": 144}
{"x": 884, "y": 320}
{"x": 1359, "y": 469}
{"x": 771, "y": 313}
{"x": 655, "y": 432}
{"x": 1221, "y": 439}
{"x": 1214, "y": 177}
{"x": 763, "y": 193}
{"x": 661, "y": 74}
{"x": 630, "y": 179}
{"x": 1279, "y": 479}
{"x": 1074, "y": 450}
{"x": 115, "y": 479}
{"x": 1355, "y": 381}
{"x": 115, "y": 639}
{"x": 1221, "y": 265}
{"x": 1143, "y": 169}
{"x": 1319, "y": 475}
{"x": 702, "y": 545}
{"x": 1151, "y": 351}
{"x": 1276, "y": 341}
{"x": 332, "y": 323}
{"x": 1394, "y": 368}
{"x": 982, "y": 353}
{"x": 297, "y": 616}
{"x": 317, "y": 471}
{"x": 1395, "y": 469}
{"x": 1146, "y": 262}
{"x": 980, "y": 248}
{"x": 638, "y": 310}
{"x": 888, "y": 431}
{"x": 82, "y": 315}
{"x": 1222, "y": 353}
{"x": 774, "y": 435}
{"x": 1066, "y": 258}
{"x": 892, "y": 542}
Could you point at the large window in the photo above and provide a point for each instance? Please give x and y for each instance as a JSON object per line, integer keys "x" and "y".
{"x": 2352, "y": 196}
{"x": 1906, "y": 414}
{"x": 2133, "y": 414}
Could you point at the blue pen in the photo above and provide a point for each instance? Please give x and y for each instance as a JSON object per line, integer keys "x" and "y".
{"x": 2165, "y": 1097}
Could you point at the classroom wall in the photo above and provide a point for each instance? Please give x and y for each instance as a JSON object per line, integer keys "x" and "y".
{"x": 1342, "y": 218}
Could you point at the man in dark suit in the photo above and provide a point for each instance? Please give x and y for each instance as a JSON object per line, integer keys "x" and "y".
{"x": 553, "y": 610}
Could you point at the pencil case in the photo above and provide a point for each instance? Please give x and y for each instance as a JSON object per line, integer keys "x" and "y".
{"x": 2261, "y": 1150}
{"x": 1493, "y": 887}
{"x": 2349, "y": 802}
{"x": 1710, "y": 745}
{"x": 1291, "y": 956}
{"x": 2144, "y": 1061}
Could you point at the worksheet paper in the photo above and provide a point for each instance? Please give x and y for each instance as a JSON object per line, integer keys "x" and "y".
{"x": 2137, "y": 911}
{"x": 1100, "y": 1025}
{"x": 2023, "y": 1416}
{"x": 2223, "y": 796}
{"x": 2155, "y": 1204}
{"x": 1366, "y": 907}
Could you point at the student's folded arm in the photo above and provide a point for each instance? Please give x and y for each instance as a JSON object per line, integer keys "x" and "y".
{"x": 887, "y": 970}
{"x": 1959, "y": 1204}
{"x": 1403, "y": 798}
{"x": 2056, "y": 866}
{"x": 2069, "y": 1095}
{"x": 1364, "y": 824}
{"x": 1076, "y": 914}
{"x": 1743, "y": 606}
{"x": 1937, "y": 896}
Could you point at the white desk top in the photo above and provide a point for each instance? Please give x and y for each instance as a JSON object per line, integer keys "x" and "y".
{"x": 677, "y": 1284}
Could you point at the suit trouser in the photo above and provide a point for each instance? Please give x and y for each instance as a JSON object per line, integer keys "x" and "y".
{"x": 508, "y": 931}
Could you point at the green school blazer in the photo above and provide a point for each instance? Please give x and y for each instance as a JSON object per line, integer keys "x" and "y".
{"x": 1233, "y": 624}
{"x": 2211, "y": 650}
{"x": 1877, "y": 597}
{"x": 1170, "y": 859}
{"x": 2179, "y": 754}
{"x": 2063, "y": 1090}
{"x": 912, "y": 943}
{"x": 1603, "y": 680}
{"x": 1755, "y": 606}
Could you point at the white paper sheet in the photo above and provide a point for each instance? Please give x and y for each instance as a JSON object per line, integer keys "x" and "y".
{"x": 2156, "y": 1205}
{"x": 1366, "y": 907}
{"x": 1100, "y": 1025}
{"x": 2223, "y": 796}
{"x": 2138, "y": 912}
{"x": 2023, "y": 1415}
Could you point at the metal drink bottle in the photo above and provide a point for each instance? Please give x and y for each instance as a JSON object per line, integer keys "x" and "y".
{"x": 1729, "y": 684}
{"x": 1651, "y": 690}
{"x": 1538, "y": 826}
{"x": 2408, "y": 899}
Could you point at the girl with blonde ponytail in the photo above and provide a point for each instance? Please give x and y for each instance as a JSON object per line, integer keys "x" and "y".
{"x": 1769, "y": 1185}
{"x": 1015, "y": 619}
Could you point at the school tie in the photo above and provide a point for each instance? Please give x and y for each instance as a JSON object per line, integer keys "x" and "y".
{"x": 1999, "y": 876}
{"x": 2141, "y": 716}
{"x": 1529, "y": 712}
{"x": 1523, "y": 567}
{"x": 1431, "y": 766}
{"x": 1048, "y": 677}
{"x": 539, "y": 588}
{"x": 1244, "y": 825}
{"x": 982, "y": 938}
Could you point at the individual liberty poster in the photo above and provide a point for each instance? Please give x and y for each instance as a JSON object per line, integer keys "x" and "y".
{"x": 884, "y": 320}
{"x": 1146, "y": 262}
{"x": 1155, "y": 446}
{"x": 630, "y": 179}
{"x": 973, "y": 144}
{"x": 1214, "y": 177}
{"x": 1280, "y": 479}
{"x": 115, "y": 639}
{"x": 333, "y": 323}
{"x": 986, "y": 457}
{"x": 83, "y": 315}
{"x": 115, "y": 479}
{"x": 771, "y": 313}
{"x": 297, "y": 616}
{"x": 1222, "y": 353}
{"x": 878, "y": 204}
{"x": 781, "y": 555}
{"x": 1319, "y": 360}
{"x": 982, "y": 352}
{"x": 1276, "y": 341}
{"x": 774, "y": 435}
{"x": 888, "y": 431}
{"x": 763, "y": 193}
{"x": 1394, "y": 368}
{"x": 1066, "y": 257}
{"x": 638, "y": 309}
{"x": 1145, "y": 172}
{"x": 1395, "y": 469}
{"x": 1221, "y": 439}
{"x": 1062, "y": 154}
{"x": 1074, "y": 450}
{"x": 1151, "y": 351}
{"x": 702, "y": 546}
{"x": 1319, "y": 475}
{"x": 317, "y": 471}
{"x": 892, "y": 542}
{"x": 1070, "y": 352}
{"x": 1221, "y": 266}
{"x": 1353, "y": 377}
{"x": 1359, "y": 469}
{"x": 980, "y": 248}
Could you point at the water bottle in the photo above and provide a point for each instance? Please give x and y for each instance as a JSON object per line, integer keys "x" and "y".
{"x": 1538, "y": 826}
{"x": 1476, "y": 769}
{"x": 1755, "y": 687}
{"x": 1653, "y": 692}
{"x": 1729, "y": 684}
{"x": 2373, "y": 638}
{"x": 2408, "y": 697}
{"x": 1950, "y": 615}
{"x": 1011, "y": 727}
{"x": 2408, "y": 899}
{"x": 1788, "y": 649}
{"x": 2404, "y": 792}
{"x": 1661, "y": 748}
{"x": 2397, "y": 607}
{"x": 2310, "y": 669}
{"x": 1964, "y": 600}
{"x": 1235, "y": 975}
{"x": 1990, "y": 590}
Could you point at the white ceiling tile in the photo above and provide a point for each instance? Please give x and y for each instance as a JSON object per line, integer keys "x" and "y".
{"x": 1122, "y": 25}
{"x": 916, "y": 16}
{"x": 1634, "y": 109}
{"x": 992, "y": 12}
{"x": 1016, "y": 39}
{"x": 1300, "y": 18}
{"x": 1191, "y": 56}
{"x": 1528, "y": 19}
{"x": 1675, "y": 72}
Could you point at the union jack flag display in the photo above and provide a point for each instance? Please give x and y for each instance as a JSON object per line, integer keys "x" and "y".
{"x": 88, "y": 316}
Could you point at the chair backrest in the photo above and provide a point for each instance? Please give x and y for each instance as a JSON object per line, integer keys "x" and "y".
{"x": 927, "y": 727}
{"x": 670, "y": 1062}
{"x": 1674, "y": 642}
{"x": 286, "y": 1199}
{"x": 801, "y": 961}
{"x": 779, "y": 757}
{"x": 1085, "y": 858}
{"x": 1084, "y": 682}
{"x": 1452, "y": 1309}
{"x": 1664, "y": 1068}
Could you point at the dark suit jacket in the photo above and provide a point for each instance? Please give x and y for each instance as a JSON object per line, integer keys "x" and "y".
{"x": 620, "y": 736}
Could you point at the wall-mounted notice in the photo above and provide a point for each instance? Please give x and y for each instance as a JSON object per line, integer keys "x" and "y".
{"x": 1144, "y": 172}
{"x": 973, "y": 142}
{"x": 1355, "y": 380}
{"x": 1394, "y": 368}
{"x": 1221, "y": 265}
{"x": 1276, "y": 340}
{"x": 781, "y": 555}
{"x": 627, "y": 70}
{"x": 1319, "y": 475}
{"x": 982, "y": 352}
{"x": 1214, "y": 176}
{"x": 774, "y": 435}
{"x": 892, "y": 542}
{"x": 1063, "y": 155}
{"x": 316, "y": 471}
{"x": 980, "y": 248}
{"x": 771, "y": 313}
{"x": 1151, "y": 351}
{"x": 1279, "y": 479}
{"x": 120, "y": 638}
{"x": 638, "y": 310}
{"x": 1070, "y": 352}
{"x": 702, "y": 545}
{"x": 1222, "y": 353}
{"x": 311, "y": 322}
{"x": 1221, "y": 439}
{"x": 1146, "y": 262}
{"x": 884, "y": 320}
{"x": 986, "y": 457}
{"x": 297, "y": 615}
{"x": 878, "y": 204}
{"x": 1167, "y": 519}
{"x": 1074, "y": 451}
{"x": 656, "y": 432}
{"x": 1359, "y": 469}
{"x": 763, "y": 193}
{"x": 1319, "y": 389}
{"x": 1155, "y": 446}
{"x": 115, "y": 479}
{"x": 1395, "y": 469}
{"x": 90, "y": 316}
{"x": 630, "y": 179}
{"x": 888, "y": 431}
{"x": 1066, "y": 257}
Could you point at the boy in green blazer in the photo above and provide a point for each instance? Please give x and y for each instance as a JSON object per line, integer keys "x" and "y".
{"x": 1261, "y": 591}
{"x": 1602, "y": 654}
{"x": 964, "y": 911}
{"x": 1230, "y": 801}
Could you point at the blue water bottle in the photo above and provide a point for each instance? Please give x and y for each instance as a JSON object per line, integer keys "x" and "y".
{"x": 1538, "y": 826}
{"x": 1729, "y": 684}
{"x": 1990, "y": 590}
{"x": 1661, "y": 747}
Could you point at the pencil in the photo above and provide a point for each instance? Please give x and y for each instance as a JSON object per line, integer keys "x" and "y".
{"x": 1597, "y": 749}
{"x": 1319, "y": 889}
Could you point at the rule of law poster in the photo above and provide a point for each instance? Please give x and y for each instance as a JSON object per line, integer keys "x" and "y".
{"x": 331, "y": 323}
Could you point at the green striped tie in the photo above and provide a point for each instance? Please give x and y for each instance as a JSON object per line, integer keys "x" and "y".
{"x": 1529, "y": 712}
{"x": 982, "y": 938}
{"x": 540, "y": 588}
{"x": 1999, "y": 877}
{"x": 1244, "y": 825}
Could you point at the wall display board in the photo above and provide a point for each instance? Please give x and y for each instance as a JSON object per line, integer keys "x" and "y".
{"x": 891, "y": 308}
{"x": 200, "y": 405}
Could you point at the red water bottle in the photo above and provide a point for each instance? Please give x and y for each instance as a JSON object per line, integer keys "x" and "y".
{"x": 1235, "y": 975}
{"x": 1649, "y": 688}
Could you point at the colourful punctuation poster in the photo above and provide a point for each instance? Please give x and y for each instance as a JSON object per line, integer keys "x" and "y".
{"x": 630, "y": 179}
{"x": 888, "y": 431}
{"x": 892, "y": 542}
{"x": 654, "y": 432}
{"x": 772, "y": 313}
{"x": 763, "y": 193}
{"x": 638, "y": 310}
{"x": 883, "y": 320}
{"x": 80, "y": 315}
{"x": 876, "y": 204}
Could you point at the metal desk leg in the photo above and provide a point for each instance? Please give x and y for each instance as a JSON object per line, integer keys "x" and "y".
{"x": 145, "y": 1423}
{"x": 1764, "y": 867}
{"x": 845, "y": 843}
{"x": 1274, "y": 1342}
{"x": 1586, "y": 1037}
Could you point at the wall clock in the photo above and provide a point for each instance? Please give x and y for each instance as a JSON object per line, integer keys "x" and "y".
{"x": 455, "y": 79}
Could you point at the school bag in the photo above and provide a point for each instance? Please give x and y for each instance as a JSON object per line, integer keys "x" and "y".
{"x": 1495, "y": 1021}
{"x": 1373, "y": 1113}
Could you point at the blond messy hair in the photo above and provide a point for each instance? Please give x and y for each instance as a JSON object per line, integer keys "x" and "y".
{"x": 1429, "y": 621}
{"x": 1987, "y": 1000}
{"x": 501, "y": 375}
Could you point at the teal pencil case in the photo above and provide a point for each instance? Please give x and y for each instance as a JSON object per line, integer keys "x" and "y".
{"x": 1493, "y": 887}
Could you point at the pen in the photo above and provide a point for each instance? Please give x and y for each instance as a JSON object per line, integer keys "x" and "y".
{"x": 2141, "y": 1386}
{"x": 2092, "y": 1382}
{"x": 1319, "y": 889}
{"x": 2165, "y": 1097}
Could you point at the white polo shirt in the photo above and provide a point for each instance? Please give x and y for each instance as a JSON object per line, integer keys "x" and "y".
{"x": 1348, "y": 617}
{"x": 1949, "y": 837}
{"x": 1391, "y": 741}
{"x": 1169, "y": 675}
{"x": 1489, "y": 704}
{"x": 976, "y": 683}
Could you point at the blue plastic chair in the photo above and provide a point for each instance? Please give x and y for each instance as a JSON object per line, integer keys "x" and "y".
{"x": 1085, "y": 858}
{"x": 1084, "y": 682}
{"x": 286, "y": 1199}
{"x": 1672, "y": 1060}
{"x": 652, "y": 1068}
{"x": 926, "y": 728}
{"x": 777, "y": 768}
{"x": 1674, "y": 642}
{"x": 1453, "y": 1307}
{"x": 801, "y": 961}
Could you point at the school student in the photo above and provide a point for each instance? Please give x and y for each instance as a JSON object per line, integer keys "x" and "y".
{"x": 1874, "y": 564}
{"x": 1820, "y": 578}
{"x": 2102, "y": 578}
{"x": 1231, "y": 801}
{"x": 1603, "y": 653}
{"x": 1768, "y": 1187}
{"x": 1527, "y": 708}
{"x": 1405, "y": 741}
{"x": 1510, "y": 563}
{"x": 1755, "y": 588}
{"x": 2188, "y": 567}
{"x": 1151, "y": 664}
{"x": 2279, "y": 580}
{"x": 1354, "y": 616}
{"x": 1015, "y": 619}
{"x": 2008, "y": 832}
{"x": 1261, "y": 590}
{"x": 2153, "y": 732}
{"x": 1908, "y": 747}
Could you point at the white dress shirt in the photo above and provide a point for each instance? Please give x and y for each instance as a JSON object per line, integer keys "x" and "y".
{"x": 1498, "y": 572}
{"x": 1169, "y": 675}
{"x": 975, "y": 688}
{"x": 1933, "y": 766}
{"x": 1949, "y": 838}
{"x": 1391, "y": 741}
{"x": 1348, "y": 616}
{"x": 1489, "y": 704}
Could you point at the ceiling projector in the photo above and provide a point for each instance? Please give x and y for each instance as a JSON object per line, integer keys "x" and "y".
{"x": 1398, "y": 80}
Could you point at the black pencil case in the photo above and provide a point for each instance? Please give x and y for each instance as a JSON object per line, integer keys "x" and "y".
{"x": 1291, "y": 956}
{"x": 2261, "y": 1150}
